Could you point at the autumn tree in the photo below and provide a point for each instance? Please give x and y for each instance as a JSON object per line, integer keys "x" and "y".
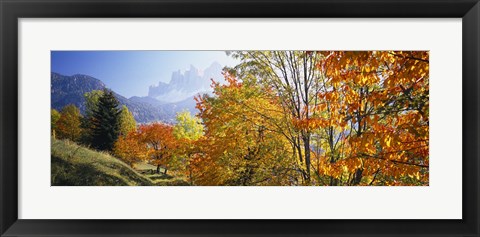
{"x": 127, "y": 122}
{"x": 54, "y": 117}
{"x": 375, "y": 117}
{"x": 187, "y": 131}
{"x": 243, "y": 143}
{"x": 160, "y": 142}
{"x": 130, "y": 148}
{"x": 293, "y": 76}
{"x": 105, "y": 122}
{"x": 68, "y": 125}
{"x": 187, "y": 126}
{"x": 355, "y": 118}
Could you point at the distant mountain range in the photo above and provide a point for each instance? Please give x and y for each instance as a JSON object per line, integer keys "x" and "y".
{"x": 184, "y": 85}
{"x": 71, "y": 89}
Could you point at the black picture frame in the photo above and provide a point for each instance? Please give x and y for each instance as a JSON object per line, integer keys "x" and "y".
{"x": 11, "y": 11}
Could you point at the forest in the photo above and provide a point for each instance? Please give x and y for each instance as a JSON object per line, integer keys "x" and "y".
{"x": 282, "y": 118}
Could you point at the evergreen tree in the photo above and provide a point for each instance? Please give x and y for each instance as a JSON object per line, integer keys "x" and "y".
{"x": 91, "y": 104}
{"x": 91, "y": 101}
{"x": 105, "y": 122}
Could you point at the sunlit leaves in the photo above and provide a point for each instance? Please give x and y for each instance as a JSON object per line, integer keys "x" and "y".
{"x": 126, "y": 121}
{"x": 160, "y": 142}
{"x": 187, "y": 127}
{"x": 383, "y": 97}
{"x": 243, "y": 144}
{"x": 131, "y": 148}
{"x": 68, "y": 125}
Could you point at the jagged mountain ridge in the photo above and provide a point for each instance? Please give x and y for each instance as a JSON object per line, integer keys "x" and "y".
{"x": 71, "y": 89}
{"x": 187, "y": 84}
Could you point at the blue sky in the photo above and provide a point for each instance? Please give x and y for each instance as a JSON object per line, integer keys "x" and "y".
{"x": 130, "y": 73}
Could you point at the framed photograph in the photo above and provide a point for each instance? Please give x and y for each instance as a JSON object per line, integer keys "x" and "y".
{"x": 161, "y": 118}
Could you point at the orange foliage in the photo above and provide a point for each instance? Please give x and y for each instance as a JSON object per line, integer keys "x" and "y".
{"x": 160, "y": 142}
{"x": 242, "y": 143}
{"x": 383, "y": 97}
{"x": 130, "y": 149}
{"x": 153, "y": 143}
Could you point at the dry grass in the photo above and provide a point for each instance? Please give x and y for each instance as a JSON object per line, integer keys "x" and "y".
{"x": 75, "y": 165}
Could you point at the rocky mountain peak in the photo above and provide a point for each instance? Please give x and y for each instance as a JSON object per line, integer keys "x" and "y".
{"x": 186, "y": 84}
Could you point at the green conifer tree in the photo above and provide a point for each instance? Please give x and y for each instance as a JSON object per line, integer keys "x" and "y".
{"x": 91, "y": 104}
{"x": 105, "y": 122}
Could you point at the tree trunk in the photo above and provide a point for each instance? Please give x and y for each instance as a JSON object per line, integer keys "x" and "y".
{"x": 333, "y": 181}
{"x": 298, "y": 146}
{"x": 306, "y": 141}
{"x": 358, "y": 177}
{"x": 191, "y": 176}
{"x": 158, "y": 169}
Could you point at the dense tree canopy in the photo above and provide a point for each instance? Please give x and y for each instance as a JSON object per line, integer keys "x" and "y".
{"x": 188, "y": 127}
{"x": 161, "y": 143}
{"x": 54, "y": 117}
{"x": 351, "y": 118}
{"x": 373, "y": 118}
{"x": 126, "y": 121}
{"x": 68, "y": 125}
{"x": 244, "y": 141}
{"x": 130, "y": 148}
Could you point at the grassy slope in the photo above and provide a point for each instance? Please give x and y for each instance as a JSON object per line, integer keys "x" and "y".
{"x": 159, "y": 179}
{"x": 74, "y": 165}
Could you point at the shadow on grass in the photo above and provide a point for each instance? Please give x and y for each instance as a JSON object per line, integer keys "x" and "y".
{"x": 68, "y": 174}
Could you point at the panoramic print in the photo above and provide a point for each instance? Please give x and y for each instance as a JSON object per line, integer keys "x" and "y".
{"x": 239, "y": 118}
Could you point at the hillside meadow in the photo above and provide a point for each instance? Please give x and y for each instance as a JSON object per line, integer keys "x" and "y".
{"x": 75, "y": 165}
